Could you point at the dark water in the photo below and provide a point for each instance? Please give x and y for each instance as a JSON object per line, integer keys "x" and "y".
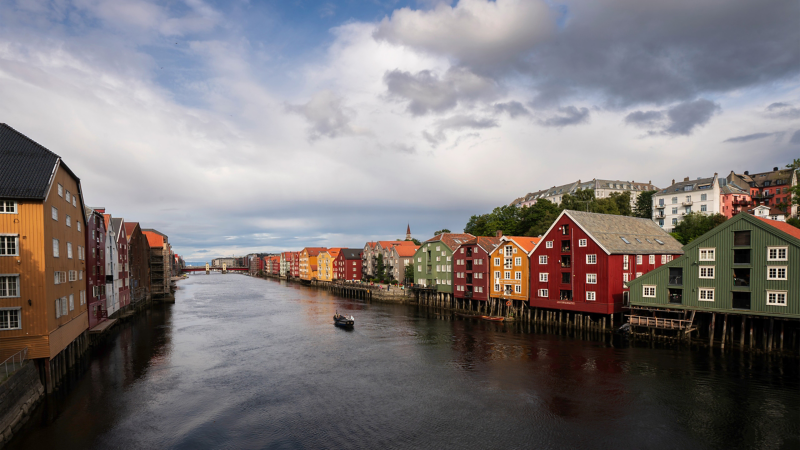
{"x": 239, "y": 362}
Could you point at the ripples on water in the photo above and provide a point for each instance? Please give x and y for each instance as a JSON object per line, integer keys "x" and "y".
{"x": 239, "y": 362}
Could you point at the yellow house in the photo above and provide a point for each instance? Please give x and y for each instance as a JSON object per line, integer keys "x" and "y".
{"x": 325, "y": 261}
{"x": 308, "y": 263}
{"x": 510, "y": 267}
{"x": 42, "y": 255}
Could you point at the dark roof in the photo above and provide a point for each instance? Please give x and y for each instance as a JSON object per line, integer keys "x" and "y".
{"x": 681, "y": 185}
{"x": 116, "y": 225}
{"x": 451, "y": 240}
{"x": 25, "y": 166}
{"x": 626, "y": 235}
{"x": 351, "y": 253}
{"x": 487, "y": 243}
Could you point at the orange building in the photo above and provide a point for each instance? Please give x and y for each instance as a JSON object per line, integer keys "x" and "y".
{"x": 308, "y": 263}
{"x": 510, "y": 268}
{"x": 42, "y": 255}
{"x": 325, "y": 259}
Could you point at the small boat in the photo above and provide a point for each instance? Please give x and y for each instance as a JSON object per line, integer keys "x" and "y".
{"x": 343, "y": 321}
{"x": 493, "y": 318}
{"x": 469, "y": 316}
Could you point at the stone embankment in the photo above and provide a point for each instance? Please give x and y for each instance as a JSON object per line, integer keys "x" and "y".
{"x": 19, "y": 395}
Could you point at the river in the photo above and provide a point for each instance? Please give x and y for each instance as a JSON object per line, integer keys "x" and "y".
{"x": 240, "y": 362}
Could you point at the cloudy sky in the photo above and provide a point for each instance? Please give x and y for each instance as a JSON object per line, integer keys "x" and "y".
{"x": 240, "y": 126}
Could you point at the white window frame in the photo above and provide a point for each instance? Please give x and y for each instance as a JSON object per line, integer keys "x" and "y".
{"x": 56, "y": 245}
{"x": 549, "y": 244}
{"x": 663, "y": 259}
{"x": 69, "y": 250}
{"x": 497, "y": 287}
{"x": 624, "y": 262}
{"x": 15, "y": 237}
{"x": 71, "y": 302}
{"x": 707, "y": 276}
{"x": 591, "y": 296}
{"x": 638, "y": 259}
{"x": 591, "y": 259}
{"x": 507, "y": 275}
{"x": 15, "y": 309}
{"x": 708, "y": 293}
{"x": 54, "y": 213}
{"x": 775, "y": 302}
{"x": 591, "y": 278}
{"x": 543, "y": 293}
{"x": 14, "y": 277}
{"x": 777, "y": 269}
{"x": 652, "y": 259}
{"x": 496, "y": 274}
{"x": 8, "y": 207}
{"x": 83, "y": 296}
{"x": 543, "y": 277}
{"x": 518, "y": 289}
{"x": 648, "y": 291}
{"x": 518, "y": 261}
{"x": 518, "y": 275}
{"x": 777, "y": 253}
{"x": 707, "y": 254}
{"x": 582, "y": 242}
{"x": 497, "y": 261}
{"x": 60, "y": 190}
{"x": 542, "y": 259}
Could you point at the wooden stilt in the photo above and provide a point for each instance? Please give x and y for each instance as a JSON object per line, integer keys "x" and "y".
{"x": 771, "y": 333}
{"x": 782, "y": 335}
{"x": 751, "y": 333}
{"x": 711, "y": 329}
{"x": 741, "y": 335}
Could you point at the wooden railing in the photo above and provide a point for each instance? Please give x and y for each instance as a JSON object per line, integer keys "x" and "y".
{"x": 658, "y": 322}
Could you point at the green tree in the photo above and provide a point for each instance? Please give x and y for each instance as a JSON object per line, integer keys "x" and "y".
{"x": 623, "y": 202}
{"x": 695, "y": 225}
{"x": 793, "y": 222}
{"x": 478, "y": 225}
{"x": 409, "y": 273}
{"x": 580, "y": 200}
{"x": 534, "y": 220}
{"x": 644, "y": 205}
{"x": 443, "y": 230}
{"x": 380, "y": 272}
{"x": 794, "y": 164}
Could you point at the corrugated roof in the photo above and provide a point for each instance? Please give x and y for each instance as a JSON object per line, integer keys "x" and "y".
{"x": 130, "y": 227}
{"x": 25, "y": 166}
{"x": 681, "y": 185}
{"x": 487, "y": 243}
{"x": 406, "y": 250}
{"x": 389, "y": 244}
{"x": 526, "y": 243}
{"x": 314, "y": 251}
{"x": 626, "y": 235}
{"x": 155, "y": 240}
{"x": 783, "y": 226}
{"x": 352, "y": 253}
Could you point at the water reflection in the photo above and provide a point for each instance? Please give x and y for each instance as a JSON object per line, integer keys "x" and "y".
{"x": 239, "y": 362}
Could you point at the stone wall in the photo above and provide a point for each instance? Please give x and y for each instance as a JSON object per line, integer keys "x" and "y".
{"x": 19, "y": 395}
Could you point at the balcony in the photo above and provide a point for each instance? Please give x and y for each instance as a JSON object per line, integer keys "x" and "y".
{"x": 566, "y": 261}
{"x": 740, "y": 203}
{"x": 687, "y": 203}
{"x": 467, "y": 294}
{"x": 660, "y": 206}
{"x": 659, "y": 215}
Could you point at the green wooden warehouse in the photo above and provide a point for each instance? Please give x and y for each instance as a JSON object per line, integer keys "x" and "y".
{"x": 746, "y": 271}
{"x": 433, "y": 265}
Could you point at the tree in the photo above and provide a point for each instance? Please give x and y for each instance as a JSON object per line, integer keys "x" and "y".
{"x": 534, "y": 220}
{"x": 443, "y": 230}
{"x": 580, "y": 200}
{"x": 794, "y": 164}
{"x": 695, "y": 225}
{"x": 644, "y": 205}
{"x": 478, "y": 225}
{"x": 380, "y": 272}
{"x": 415, "y": 241}
{"x": 793, "y": 222}
{"x": 409, "y": 273}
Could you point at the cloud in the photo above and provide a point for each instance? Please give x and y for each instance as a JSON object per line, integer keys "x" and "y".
{"x": 626, "y": 52}
{"x": 426, "y": 92}
{"x": 568, "y": 115}
{"x": 326, "y": 116}
{"x": 456, "y": 123}
{"x": 679, "y": 120}
{"x": 795, "y": 138}
{"x": 475, "y": 32}
{"x": 753, "y": 137}
{"x": 783, "y": 110}
{"x": 513, "y": 108}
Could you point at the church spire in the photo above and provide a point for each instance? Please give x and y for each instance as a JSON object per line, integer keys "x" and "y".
{"x": 408, "y": 232}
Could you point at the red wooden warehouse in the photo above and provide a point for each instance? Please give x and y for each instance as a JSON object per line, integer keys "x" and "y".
{"x": 348, "y": 265}
{"x": 95, "y": 267}
{"x": 583, "y": 261}
{"x": 472, "y": 269}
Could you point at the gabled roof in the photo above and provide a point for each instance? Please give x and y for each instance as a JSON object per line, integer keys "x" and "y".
{"x": 405, "y": 251}
{"x": 334, "y": 252}
{"x": 783, "y": 226}
{"x": 451, "y": 240}
{"x": 487, "y": 243}
{"x": 314, "y": 251}
{"x": 623, "y": 234}
{"x": 116, "y": 225}
{"x": 371, "y": 244}
{"x": 26, "y": 168}
{"x": 130, "y": 228}
{"x": 351, "y": 253}
{"x": 526, "y": 243}
{"x": 154, "y": 240}
{"x": 772, "y": 211}
{"x": 680, "y": 186}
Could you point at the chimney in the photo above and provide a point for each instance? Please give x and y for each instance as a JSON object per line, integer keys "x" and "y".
{"x": 499, "y": 233}
{"x": 747, "y": 172}
{"x": 673, "y": 181}
{"x": 686, "y": 179}
{"x": 774, "y": 169}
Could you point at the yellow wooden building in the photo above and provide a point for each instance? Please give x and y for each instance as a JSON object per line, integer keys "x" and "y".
{"x": 510, "y": 268}
{"x": 42, "y": 254}
{"x": 325, "y": 269}
{"x": 308, "y": 263}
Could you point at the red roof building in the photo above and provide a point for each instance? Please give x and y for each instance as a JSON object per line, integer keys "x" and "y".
{"x": 348, "y": 264}
{"x": 472, "y": 276}
{"x": 95, "y": 267}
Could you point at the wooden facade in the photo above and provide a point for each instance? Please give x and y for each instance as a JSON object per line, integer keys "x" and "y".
{"x": 730, "y": 270}
{"x": 510, "y": 268}
{"x": 433, "y": 265}
{"x": 472, "y": 267}
{"x": 138, "y": 262}
{"x": 96, "y": 267}
{"x": 308, "y": 269}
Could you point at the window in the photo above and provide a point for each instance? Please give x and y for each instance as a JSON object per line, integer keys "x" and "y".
{"x": 591, "y": 259}
{"x": 9, "y": 245}
{"x": 518, "y": 275}
{"x": 549, "y": 244}
{"x": 649, "y": 291}
{"x": 703, "y": 197}
{"x": 419, "y": 268}
{"x": 663, "y": 259}
{"x": 55, "y": 248}
{"x": 497, "y": 288}
{"x": 638, "y": 259}
{"x": 674, "y": 200}
{"x": 741, "y": 237}
{"x": 707, "y": 272}
{"x": 517, "y": 261}
{"x": 625, "y": 262}
{"x": 543, "y": 277}
{"x": 78, "y": 224}
{"x": 507, "y": 274}
{"x": 10, "y": 319}
{"x": 591, "y": 296}
{"x": 652, "y": 259}
{"x": 419, "y": 259}
{"x": 543, "y": 293}
{"x": 591, "y": 278}
{"x": 565, "y": 229}
{"x": 776, "y": 298}
{"x": 9, "y": 286}
{"x": 675, "y": 210}
{"x": 674, "y": 221}
{"x": 73, "y": 275}
{"x": 707, "y": 254}
{"x": 706, "y": 295}
{"x": 776, "y": 273}
{"x": 73, "y": 201}
{"x": 438, "y": 258}
{"x": 69, "y": 250}
{"x": 60, "y": 190}
{"x": 80, "y": 275}
{"x": 462, "y": 251}
{"x": 703, "y": 208}
{"x": 777, "y": 253}
{"x": 438, "y": 268}
{"x": 71, "y": 302}
{"x": 497, "y": 275}
{"x": 582, "y": 243}
{"x": 543, "y": 259}
{"x": 54, "y": 213}
{"x": 626, "y": 277}
{"x": 68, "y": 197}
{"x": 518, "y": 289}
{"x": 497, "y": 261}
{"x": 8, "y": 207}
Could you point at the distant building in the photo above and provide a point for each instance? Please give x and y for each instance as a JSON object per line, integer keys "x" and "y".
{"x": 510, "y": 268}
{"x": 400, "y": 257}
{"x": 672, "y": 203}
{"x": 472, "y": 278}
{"x": 767, "y": 212}
{"x": 96, "y": 266}
{"x": 602, "y": 189}
{"x": 348, "y": 264}
{"x": 308, "y": 263}
{"x": 138, "y": 262}
{"x": 160, "y": 263}
{"x": 773, "y": 188}
{"x": 433, "y": 261}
